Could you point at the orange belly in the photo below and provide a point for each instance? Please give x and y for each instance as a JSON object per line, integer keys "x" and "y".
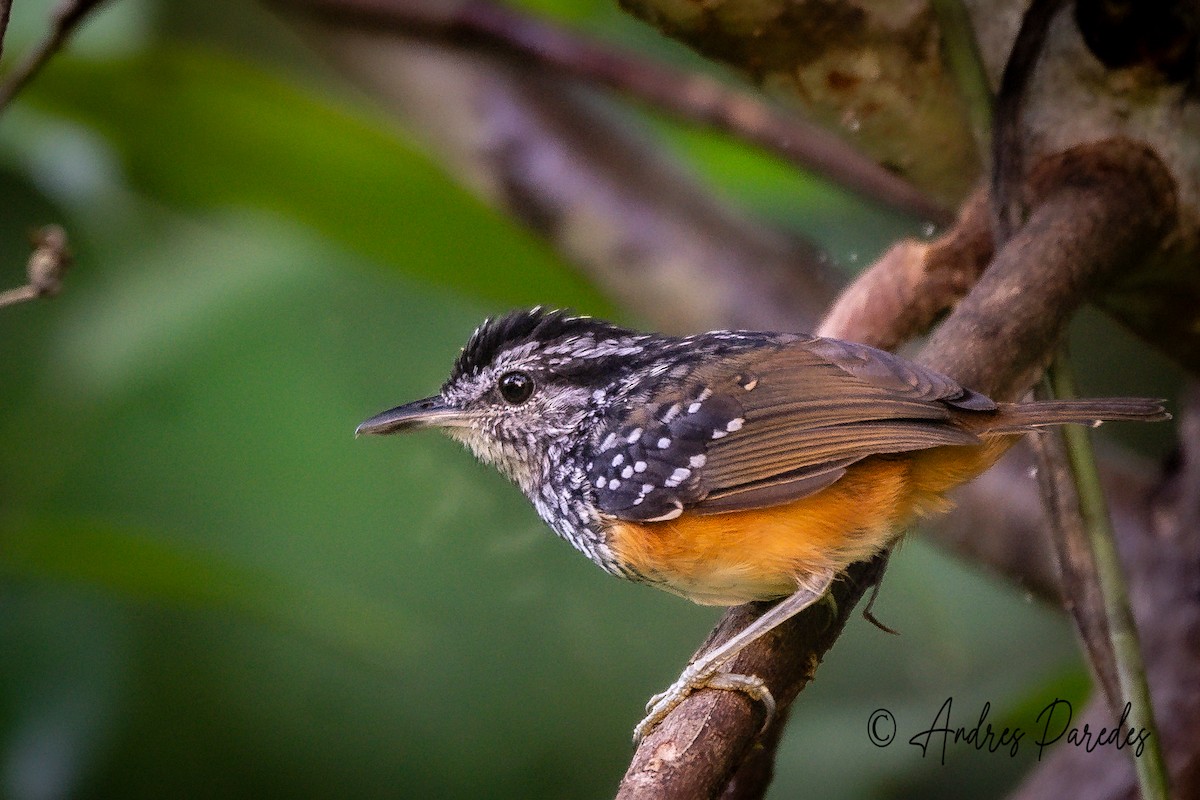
{"x": 762, "y": 553}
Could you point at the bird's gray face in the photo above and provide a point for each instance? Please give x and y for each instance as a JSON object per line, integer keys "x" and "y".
{"x": 514, "y": 413}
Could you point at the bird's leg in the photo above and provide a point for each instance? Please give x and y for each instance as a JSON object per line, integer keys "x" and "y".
{"x": 705, "y": 670}
{"x": 869, "y": 617}
{"x": 876, "y": 584}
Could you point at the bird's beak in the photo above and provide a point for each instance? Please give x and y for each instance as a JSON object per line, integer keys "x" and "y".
{"x": 432, "y": 412}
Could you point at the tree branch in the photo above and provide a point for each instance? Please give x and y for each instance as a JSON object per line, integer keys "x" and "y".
{"x": 911, "y": 285}
{"x": 1094, "y": 583}
{"x": 1095, "y": 211}
{"x": 997, "y": 340}
{"x": 5, "y": 10}
{"x": 563, "y": 161}
{"x": 494, "y": 28}
{"x": 47, "y": 264}
{"x": 1159, "y": 542}
{"x": 67, "y": 16}
{"x": 702, "y": 745}
{"x": 1008, "y": 145}
{"x": 873, "y": 71}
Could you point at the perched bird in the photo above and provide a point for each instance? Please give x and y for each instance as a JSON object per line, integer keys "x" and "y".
{"x": 725, "y": 467}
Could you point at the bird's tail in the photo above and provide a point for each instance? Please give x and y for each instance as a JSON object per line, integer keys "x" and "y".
{"x": 1021, "y": 417}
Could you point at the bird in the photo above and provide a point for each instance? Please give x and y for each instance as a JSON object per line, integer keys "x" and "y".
{"x": 726, "y": 467}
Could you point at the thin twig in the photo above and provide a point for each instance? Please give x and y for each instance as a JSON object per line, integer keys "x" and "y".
{"x": 1074, "y": 559}
{"x": 600, "y": 191}
{"x": 1008, "y": 145}
{"x": 21, "y": 294}
{"x": 686, "y": 95}
{"x": 66, "y": 18}
{"x": 47, "y": 263}
{"x": 5, "y": 10}
{"x": 1157, "y": 518}
{"x": 1122, "y": 631}
{"x": 961, "y": 51}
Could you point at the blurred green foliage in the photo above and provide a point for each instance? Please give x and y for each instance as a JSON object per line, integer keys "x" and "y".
{"x": 208, "y": 588}
{"x": 273, "y": 147}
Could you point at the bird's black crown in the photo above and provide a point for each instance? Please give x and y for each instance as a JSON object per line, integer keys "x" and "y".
{"x": 495, "y": 336}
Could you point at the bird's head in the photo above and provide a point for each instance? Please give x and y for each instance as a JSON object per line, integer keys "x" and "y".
{"x": 522, "y": 387}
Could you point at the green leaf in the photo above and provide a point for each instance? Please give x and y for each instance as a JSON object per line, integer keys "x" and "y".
{"x": 144, "y": 568}
{"x": 201, "y": 130}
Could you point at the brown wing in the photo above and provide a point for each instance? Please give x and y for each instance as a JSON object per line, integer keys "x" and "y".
{"x": 774, "y": 425}
{"x": 818, "y": 406}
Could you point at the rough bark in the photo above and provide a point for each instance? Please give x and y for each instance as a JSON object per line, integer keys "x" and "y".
{"x": 997, "y": 339}
{"x": 874, "y": 72}
{"x": 871, "y": 70}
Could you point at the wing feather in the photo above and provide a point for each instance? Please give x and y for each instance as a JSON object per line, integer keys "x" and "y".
{"x": 775, "y": 424}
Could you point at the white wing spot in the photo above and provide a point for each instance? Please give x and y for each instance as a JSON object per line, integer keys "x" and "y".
{"x": 609, "y": 442}
{"x": 672, "y": 514}
{"x": 601, "y": 482}
{"x": 718, "y": 433}
{"x": 614, "y": 484}
{"x": 734, "y": 424}
{"x": 647, "y": 488}
{"x": 634, "y": 435}
{"x": 696, "y": 462}
{"x": 639, "y": 466}
{"x": 627, "y": 472}
{"x": 618, "y": 459}
{"x": 694, "y": 407}
{"x": 664, "y": 443}
{"x": 677, "y": 477}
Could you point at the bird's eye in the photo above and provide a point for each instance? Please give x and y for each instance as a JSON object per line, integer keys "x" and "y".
{"x": 515, "y": 387}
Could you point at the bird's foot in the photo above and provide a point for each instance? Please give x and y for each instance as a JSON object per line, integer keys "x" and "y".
{"x": 705, "y": 671}
{"x": 694, "y": 679}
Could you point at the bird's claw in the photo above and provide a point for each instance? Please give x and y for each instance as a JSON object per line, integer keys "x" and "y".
{"x": 663, "y": 703}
